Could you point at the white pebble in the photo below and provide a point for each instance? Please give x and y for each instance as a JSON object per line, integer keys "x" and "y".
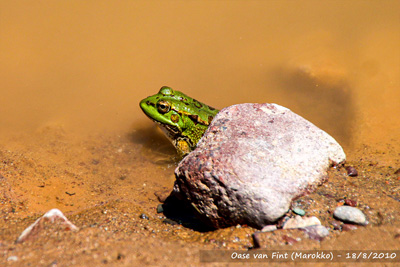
{"x": 12, "y": 258}
{"x": 350, "y": 215}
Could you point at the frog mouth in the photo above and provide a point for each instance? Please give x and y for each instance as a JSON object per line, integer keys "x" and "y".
{"x": 169, "y": 130}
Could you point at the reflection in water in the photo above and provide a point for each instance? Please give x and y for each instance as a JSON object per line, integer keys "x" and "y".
{"x": 155, "y": 146}
{"x": 325, "y": 101}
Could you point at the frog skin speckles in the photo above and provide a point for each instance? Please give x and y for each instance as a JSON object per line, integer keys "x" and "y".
{"x": 183, "y": 119}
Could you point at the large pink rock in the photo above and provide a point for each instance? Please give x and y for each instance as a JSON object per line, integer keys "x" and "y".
{"x": 253, "y": 160}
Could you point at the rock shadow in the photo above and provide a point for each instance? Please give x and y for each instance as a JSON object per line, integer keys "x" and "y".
{"x": 325, "y": 99}
{"x": 177, "y": 211}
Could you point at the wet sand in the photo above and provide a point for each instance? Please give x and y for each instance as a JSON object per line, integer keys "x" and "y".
{"x": 73, "y": 137}
{"x": 104, "y": 184}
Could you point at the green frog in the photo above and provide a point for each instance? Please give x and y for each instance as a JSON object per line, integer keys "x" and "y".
{"x": 182, "y": 118}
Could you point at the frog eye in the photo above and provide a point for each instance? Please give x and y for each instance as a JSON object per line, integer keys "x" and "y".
{"x": 163, "y": 106}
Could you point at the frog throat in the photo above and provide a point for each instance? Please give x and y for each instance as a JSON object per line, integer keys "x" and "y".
{"x": 175, "y": 136}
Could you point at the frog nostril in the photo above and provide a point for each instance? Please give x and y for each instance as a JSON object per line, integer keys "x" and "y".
{"x": 150, "y": 103}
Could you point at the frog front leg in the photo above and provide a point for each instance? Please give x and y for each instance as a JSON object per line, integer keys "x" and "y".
{"x": 182, "y": 145}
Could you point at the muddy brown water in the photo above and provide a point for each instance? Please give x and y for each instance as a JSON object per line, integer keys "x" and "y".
{"x": 73, "y": 137}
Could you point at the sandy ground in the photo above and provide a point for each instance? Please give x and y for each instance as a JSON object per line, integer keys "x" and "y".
{"x": 104, "y": 183}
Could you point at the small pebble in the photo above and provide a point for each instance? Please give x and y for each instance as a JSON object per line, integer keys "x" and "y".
{"x": 160, "y": 208}
{"x": 397, "y": 172}
{"x": 351, "y": 171}
{"x": 162, "y": 195}
{"x": 256, "y": 239}
{"x": 316, "y": 232}
{"x": 55, "y": 217}
{"x": 299, "y": 211}
{"x": 350, "y": 202}
{"x": 301, "y": 222}
{"x": 350, "y": 215}
{"x": 269, "y": 228}
{"x": 12, "y": 258}
{"x": 336, "y": 225}
{"x": 397, "y": 234}
{"x": 144, "y": 216}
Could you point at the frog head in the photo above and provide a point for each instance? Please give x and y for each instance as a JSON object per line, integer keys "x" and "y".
{"x": 161, "y": 109}
{"x": 182, "y": 118}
